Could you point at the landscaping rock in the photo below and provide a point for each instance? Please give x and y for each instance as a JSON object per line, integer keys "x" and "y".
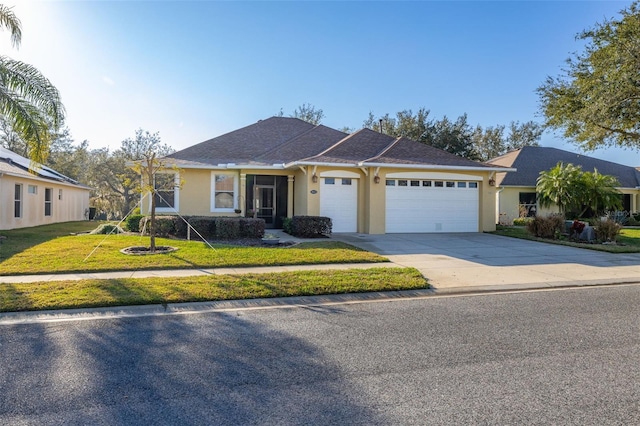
{"x": 588, "y": 234}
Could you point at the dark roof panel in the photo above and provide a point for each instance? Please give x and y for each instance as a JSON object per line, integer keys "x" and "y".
{"x": 407, "y": 151}
{"x": 531, "y": 160}
{"x": 245, "y": 144}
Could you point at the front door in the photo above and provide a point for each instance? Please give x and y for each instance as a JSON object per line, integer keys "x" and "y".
{"x": 264, "y": 198}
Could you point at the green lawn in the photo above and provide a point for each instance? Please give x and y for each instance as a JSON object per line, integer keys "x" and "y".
{"x": 120, "y": 292}
{"x": 629, "y": 239}
{"x": 51, "y": 249}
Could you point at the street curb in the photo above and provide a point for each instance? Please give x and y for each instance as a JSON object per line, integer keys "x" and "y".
{"x": 173, "y": 309}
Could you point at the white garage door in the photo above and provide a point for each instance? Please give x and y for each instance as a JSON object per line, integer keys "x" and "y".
{"x": 423, "y": 205}
{"x": 339, "y": 201}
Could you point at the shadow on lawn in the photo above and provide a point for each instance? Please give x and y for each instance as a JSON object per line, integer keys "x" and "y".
{"x": 22, "y": 239}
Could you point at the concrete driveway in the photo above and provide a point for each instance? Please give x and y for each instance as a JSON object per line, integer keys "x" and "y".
{"x": 463, "y": 260}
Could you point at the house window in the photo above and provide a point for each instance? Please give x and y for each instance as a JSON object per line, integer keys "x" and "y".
{"x": 224, "y": 192}
{"x": 329, "y": 181}
{"x": 48, "y": 201}
{"x": 391, "y": 182}
{"x": 527, "y": 204}
{"x": 415, "y": 183}
{"x": 165, "y": 190}
{"x": 473, "y": 184}
{"x": 32, "y": 189}
{"x": 402, "y": 182}
{"x": 426, "y": 183}
{"x": 17, "y": 201}
{"x": 346, "y": 181}
{"x": 462, "y": 184}
{"x": 59, "y": 194}
{"x": 439, "y": 184}
{"x": 451, "y": 184}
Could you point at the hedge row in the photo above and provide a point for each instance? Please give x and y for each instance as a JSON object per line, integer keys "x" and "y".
{"x": 216, "y": 228}
{"x": 307, "y": 226}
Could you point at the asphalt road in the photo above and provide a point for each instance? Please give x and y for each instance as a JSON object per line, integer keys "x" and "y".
{"x": 555, "y": 357}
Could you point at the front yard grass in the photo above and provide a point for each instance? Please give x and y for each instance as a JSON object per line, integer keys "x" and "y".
{"x": 121, "y": 292}
{"x": 629, "y": 238}
{"x": 42, "y": 250}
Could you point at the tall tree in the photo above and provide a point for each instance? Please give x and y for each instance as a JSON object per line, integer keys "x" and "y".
{"x": 452, "y": 136}
{"x": 29, "y": 102}
{"x": 488, "y": 142}
{"x": 522, "y": 134}
{"x": 308, "y": 113}
{"x": 596, "y": 101}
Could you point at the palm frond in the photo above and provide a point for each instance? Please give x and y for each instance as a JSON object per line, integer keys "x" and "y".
{"x": 9, "y": 21}
{"x": 29, "y": 84}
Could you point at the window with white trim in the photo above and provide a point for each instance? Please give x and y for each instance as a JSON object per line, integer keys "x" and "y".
{"x": 165, "y": 185}
{"x": 17, "y": 201}
{"x": 32, "y": 189}
{"x": 48, "y": 201}
{"x": 224, "y": 192}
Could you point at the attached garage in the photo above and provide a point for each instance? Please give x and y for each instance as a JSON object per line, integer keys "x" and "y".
{"x": 339, "y": 200}
{"x": 438, "y": 202}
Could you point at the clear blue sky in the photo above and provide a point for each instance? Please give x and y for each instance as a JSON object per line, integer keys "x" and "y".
{"x": 195, "y": 70}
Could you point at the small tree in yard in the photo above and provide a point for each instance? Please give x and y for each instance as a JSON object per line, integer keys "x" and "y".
{"x": 570, "y": 188}
{"x": 153, "y": 182}
{"x": 559, "y": 186}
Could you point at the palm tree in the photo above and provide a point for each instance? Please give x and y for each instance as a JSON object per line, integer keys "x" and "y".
{"x": 560, "y": 186}
{"x": 28, "y": 100}
{"x": 600, "y": 192}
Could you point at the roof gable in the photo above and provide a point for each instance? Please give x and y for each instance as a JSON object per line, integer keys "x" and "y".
{"x": 408, "y": 151}
{"x": 245, "y": 144}
{"x": 531, "y": 160}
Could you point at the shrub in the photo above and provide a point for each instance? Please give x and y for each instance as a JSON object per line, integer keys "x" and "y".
{"x": 608, "y": 230}
{"x": 251, "y": 228}
{"x": 310, "y": 226}
{"x": 633, "y": 221}
{"x": 522, "y": 221}
{"x": 205, "y": 225}
{"x": 619, "y": 216}
{"x": 165, "y": 225}
{"x": 107, "y": 228}
{"x": 227, "y": 228}
{"x": 546, "y": 227}
{"x": 287, "y": 225}
{"x": 133, "y": 222}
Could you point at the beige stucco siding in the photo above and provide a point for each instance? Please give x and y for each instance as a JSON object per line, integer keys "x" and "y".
{"x": 68, "y": 202}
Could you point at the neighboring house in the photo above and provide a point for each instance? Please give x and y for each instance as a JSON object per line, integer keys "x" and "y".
{"x": 517, "y": 190}
{"x": 33, "y": 194}
{"x": 365, "y": 182}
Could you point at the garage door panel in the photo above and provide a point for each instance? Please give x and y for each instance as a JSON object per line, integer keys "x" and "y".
{"x": 431, "y": 209}
{"x": 340, "y": 203}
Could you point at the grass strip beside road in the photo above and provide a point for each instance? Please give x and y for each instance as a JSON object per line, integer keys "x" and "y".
{"x": 629, "y": 239}
{"x": 123, "y": 292}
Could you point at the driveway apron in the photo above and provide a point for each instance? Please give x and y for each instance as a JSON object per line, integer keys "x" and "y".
{"x": 464, "y": 260}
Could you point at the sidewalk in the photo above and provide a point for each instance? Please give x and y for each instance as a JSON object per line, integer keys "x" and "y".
{"x": 453, "y": 264}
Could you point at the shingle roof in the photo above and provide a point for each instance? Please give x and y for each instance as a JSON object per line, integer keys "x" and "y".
{"x": 306, "y": 144}
{"x": 246, "y": 144}
{"x": 281, "y": 140}
{"x": 531, "y": 160}
{"x": 407, "y": 151}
